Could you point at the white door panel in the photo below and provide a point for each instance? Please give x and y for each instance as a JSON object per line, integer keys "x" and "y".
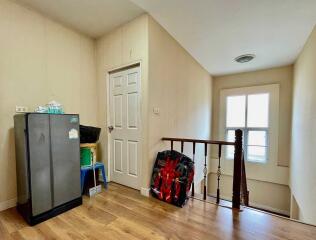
{"x": 125, "y": 119}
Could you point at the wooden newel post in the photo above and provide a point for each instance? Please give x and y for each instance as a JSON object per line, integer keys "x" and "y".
{"x": 237, "y": 168}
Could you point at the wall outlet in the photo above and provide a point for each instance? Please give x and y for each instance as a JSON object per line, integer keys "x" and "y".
{"x": 21, "y": 109}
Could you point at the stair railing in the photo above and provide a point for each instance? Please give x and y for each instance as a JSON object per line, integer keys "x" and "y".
{"x": 240, "y": 191}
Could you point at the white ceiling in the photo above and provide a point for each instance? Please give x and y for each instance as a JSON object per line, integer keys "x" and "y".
{"x": 214, "y": 32}
{"x": 91, "y": 17}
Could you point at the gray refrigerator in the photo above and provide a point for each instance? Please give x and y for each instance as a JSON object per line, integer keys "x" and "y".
{"x": 47, "y": 164}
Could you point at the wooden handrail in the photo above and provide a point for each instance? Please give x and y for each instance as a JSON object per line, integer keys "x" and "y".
{"x": 197, "y": 141}
{"x": 239, "y": 177}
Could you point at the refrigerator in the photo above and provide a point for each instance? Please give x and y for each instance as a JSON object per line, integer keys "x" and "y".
{"x": 47, "y": 164}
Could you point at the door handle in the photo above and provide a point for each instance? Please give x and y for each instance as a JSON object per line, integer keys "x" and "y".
{"x": 111, "y": 128}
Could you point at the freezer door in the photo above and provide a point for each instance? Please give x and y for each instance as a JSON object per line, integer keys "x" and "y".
{"x": 65, "y": 147}
{"x": 39, "y": 162}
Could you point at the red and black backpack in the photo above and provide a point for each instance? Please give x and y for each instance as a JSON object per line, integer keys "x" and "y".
{"x": 172, "y": 176}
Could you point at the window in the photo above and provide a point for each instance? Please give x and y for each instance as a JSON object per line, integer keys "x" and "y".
{"x": 250, "y": 113}
{"x": 255, "y": 110}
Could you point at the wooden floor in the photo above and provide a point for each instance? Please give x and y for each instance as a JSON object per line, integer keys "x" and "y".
{"x": 122, "y": 213}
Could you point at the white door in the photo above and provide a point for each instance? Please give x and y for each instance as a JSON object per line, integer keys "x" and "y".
{"x": 124, "y": 127}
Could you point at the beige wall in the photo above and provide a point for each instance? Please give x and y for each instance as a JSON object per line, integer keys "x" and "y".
{"x": 282, "y": 76}
{"x": 270, "y": 196}
{"x": 40, "y": 60}
{"x": 124, "y": 46}
{"x": 303, "y": 161}
{"x": 171, "y": 80}
{"x": 72, "y": 69}
{"x": 276, "y": 196}
{"x": 182, "y": 90}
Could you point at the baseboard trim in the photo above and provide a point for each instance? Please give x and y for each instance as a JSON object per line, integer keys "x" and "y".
{"x": 270, "y": 209}
{"x": 8, "y": 204}
{"x": 259, "y": 206}
{"x": 145, "y": 191}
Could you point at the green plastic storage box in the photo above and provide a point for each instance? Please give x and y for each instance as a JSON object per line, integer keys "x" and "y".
{"x": 85, "y": 156}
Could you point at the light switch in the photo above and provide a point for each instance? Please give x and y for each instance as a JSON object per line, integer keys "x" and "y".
{"x": 156, "y": 110}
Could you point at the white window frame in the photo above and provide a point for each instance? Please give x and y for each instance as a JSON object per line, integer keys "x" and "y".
{"x": 273, "y": 119}
{"x": 247, "y": 129}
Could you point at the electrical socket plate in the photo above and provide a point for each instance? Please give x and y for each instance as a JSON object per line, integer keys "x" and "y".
{"x": 21, "y": 109}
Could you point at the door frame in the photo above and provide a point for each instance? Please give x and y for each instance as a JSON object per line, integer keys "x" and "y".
{"x": 108, "y": 112}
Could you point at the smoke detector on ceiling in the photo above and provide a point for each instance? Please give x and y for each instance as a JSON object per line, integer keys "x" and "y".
{"x": 245, "y": 58}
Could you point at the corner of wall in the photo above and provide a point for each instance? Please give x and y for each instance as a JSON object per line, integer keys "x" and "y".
{"x": 302, "y": 177}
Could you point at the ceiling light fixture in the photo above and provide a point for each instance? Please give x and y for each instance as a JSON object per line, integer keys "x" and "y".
{"x": 245, "y": 58}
